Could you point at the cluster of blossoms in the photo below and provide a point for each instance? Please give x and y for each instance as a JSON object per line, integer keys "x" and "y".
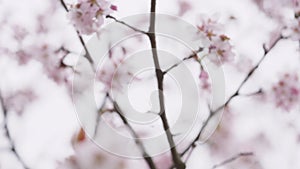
{"x": 286, "y": 92}
{"x": 276, "y": 10}
{"x": 218, "y": 45}
{"x": 88, "y": 15}
{"x": 51, "y": 59}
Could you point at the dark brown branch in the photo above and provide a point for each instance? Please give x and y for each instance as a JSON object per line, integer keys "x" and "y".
{"x": 193, "y": 55}
{"x": 232, "y": 159}
{"x": 260, "y": 91}
{"x": 235, "y": 94}
{"x": 160, "y": 76}
{"x": 139, "y": 143}
{"x": 8, "y": 135}
{"x": 124, "y": 23}
{"x": 87, "y": 53}
{"x": 99, "y": 113}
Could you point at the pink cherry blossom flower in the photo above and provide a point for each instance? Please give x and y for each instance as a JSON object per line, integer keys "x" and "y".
{"x": 218, "y": 45}
{"x": 286, "y": 92}
{"x": 88, "y": 15}
{"x": 220, "y": 50}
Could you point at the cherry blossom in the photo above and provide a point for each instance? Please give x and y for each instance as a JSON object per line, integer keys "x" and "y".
{"x": 88, "y": 15}
{"x": 218, "y": 45}
{"x": 221, "y": 50}
{"x": 286, "y": 92}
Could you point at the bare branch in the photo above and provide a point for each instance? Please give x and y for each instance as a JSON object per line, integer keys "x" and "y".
{"x": 99, "y": 113}
{"x": 232, "y": 159}
{"x": 8, "y": 135}
{"x": 127, "y": 25}
{"x": 139, "y": 143}
{"x": 195, "y": 53}
{"x": 179, "y": 164}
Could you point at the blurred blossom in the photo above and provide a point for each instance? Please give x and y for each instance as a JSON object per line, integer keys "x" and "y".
{"x": 113, "y": 74}
{"x": 184, "y": 7}
{"x": 88, "y": 15}
{"x": 244, "y": 64}
{"x": 218, "y": 45}
{"x": 204, "y": 81}
{"x": 163, "y": 161}
{"x": 293, "y": 29}
{"x": 88, "y": 155}
{"x": 19, "y": 33}
{"x": 286, "y": 92}
{"x": 17, "y": 101}
{"x": 276, "y": 10}
{"x": 52, "y": 61}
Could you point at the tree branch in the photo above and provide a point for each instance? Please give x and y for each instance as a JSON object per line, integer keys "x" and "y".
{"x": 160, "y": 76}
{"x": 127, "y": 25}
{"x": 99, "y": 113}
{"x": 8, "y": 135}
{"x": 139, "y": 143}
{"x": 235, "y": 94}
{"x": 232, "y": 159}
{"x": 193, "y": 55}
{"x": 87, "y": 53}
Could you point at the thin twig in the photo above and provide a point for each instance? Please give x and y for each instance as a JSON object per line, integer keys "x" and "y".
{"x": 99, "y": 113}
{"x": 260, "y": 91}
{"x": 179, "y": 164}
{"x": 126, "y": 24}
{"x": 139, "y": 143}
{"x": 87, "y": 53}
{"x": 235, "y": 94}
{"x": 8, "y": 135}
{"x": 195, "y": 53}
{"x": 232, "y": 159}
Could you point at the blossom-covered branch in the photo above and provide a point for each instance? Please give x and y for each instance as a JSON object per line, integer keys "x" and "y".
{"x": 87, "y": 53}
{"x": 8, "y": 135}
{"x": 235, "y": 94}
